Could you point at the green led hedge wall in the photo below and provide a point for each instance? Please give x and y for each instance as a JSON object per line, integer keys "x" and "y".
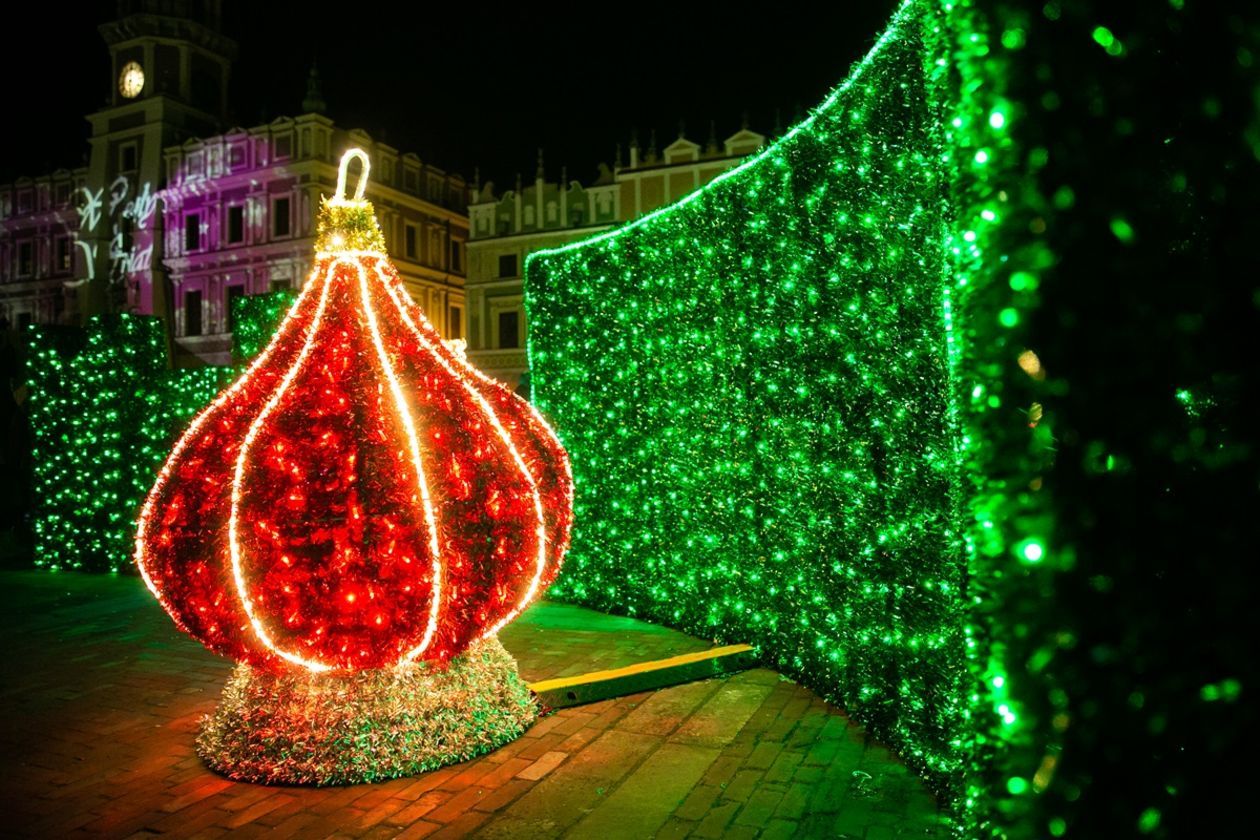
{"x": 757, "y": 389}
{"x": 105, "y": 411}
{"x": 1009, "y": 531}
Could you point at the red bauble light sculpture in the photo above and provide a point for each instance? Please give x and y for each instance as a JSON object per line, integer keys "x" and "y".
{"x": 361, "y": 497}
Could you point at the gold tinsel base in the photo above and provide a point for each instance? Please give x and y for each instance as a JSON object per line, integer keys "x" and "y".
{"x": 333, "y": 729}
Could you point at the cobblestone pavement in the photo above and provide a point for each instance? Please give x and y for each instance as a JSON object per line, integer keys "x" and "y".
{"x": 101, "y": 697}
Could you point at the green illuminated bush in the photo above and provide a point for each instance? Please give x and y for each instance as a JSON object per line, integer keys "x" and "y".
{"x": 105, "y": 411}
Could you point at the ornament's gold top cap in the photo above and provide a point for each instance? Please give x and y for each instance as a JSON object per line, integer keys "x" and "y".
{"x": 349, "y": 224}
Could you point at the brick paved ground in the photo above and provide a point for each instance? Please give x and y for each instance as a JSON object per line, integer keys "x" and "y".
{"x": 101, "y": 697}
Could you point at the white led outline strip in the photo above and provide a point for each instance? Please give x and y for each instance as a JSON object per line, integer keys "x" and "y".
{"x": 339, "y": 197}
{"x": 528, "y": 406}
{"x": 146, "y": 512}
{"x": 538, "y": 418}
{"x": 255, "y": 428}
{"x": 488, "y": 410}
{"x": 563, "y": 547}
{"x": 404, "y": 413}
{"x": 541, "y": 421}
{"x": 237, "y": 473}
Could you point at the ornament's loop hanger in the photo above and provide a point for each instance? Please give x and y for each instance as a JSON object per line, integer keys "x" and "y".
{"x": 340, "y": 196}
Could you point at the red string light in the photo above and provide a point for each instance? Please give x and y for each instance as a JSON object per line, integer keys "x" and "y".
{"x": 361, "y": 497}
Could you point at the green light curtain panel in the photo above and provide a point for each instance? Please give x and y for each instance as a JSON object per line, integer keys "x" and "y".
{"x": 770, "y": 400}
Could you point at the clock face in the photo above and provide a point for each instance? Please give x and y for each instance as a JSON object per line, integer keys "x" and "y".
{"x": 131, "y": 80}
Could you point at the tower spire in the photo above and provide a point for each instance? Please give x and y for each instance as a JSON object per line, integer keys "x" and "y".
{"x": 314, "y": 102}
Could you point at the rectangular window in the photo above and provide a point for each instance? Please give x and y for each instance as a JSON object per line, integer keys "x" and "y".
{"x": 25, "y": 259}
{"x": 284, "y": 145}
{"x": 64, "y": 254}
{"x": 280, "y": 285}
{"x": 205, "y": 77}
{"x": 166, "y": 65}
{"x": 192, "y": 313}
{"x": 236, "y": 224}
{"x": 233, "y": 292}
{"x": 509, "y": 330}
{"x": 457, "y": 323}
{"x": 507, "y": 265}
{"x": 24, "y": 320}
{"x": 63, "y": 195}
{"x": 456, "y": 260}
{"x": 435, "y": 249}
{"x": 280, "y": 217}
{"x": 127, "y": 157}
{"x": 192, "y": 232}
{"x": 236, "y": 156}
{"x": 409, "y": 238}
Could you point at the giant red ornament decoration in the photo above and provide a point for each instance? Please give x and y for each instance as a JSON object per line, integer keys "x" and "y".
{"x": 361, "y": 497}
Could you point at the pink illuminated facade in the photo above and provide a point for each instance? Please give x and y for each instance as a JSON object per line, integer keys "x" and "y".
{"x": 39, "y": 258}
{"x": 239, "y": 219}
{"x": 175, "y": 215}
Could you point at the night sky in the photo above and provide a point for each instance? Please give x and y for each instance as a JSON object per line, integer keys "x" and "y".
{"x": 463, "y": 87}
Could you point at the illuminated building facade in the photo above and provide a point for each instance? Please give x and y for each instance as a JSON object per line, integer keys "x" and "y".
{"x": 505, "y": 229}
{"x": 239, "y": 219}
{"x": 176, "y": 212}
{"x": 502, "y": 231}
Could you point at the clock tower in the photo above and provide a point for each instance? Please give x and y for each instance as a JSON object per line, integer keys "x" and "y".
{"x": 170, "y": 64}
